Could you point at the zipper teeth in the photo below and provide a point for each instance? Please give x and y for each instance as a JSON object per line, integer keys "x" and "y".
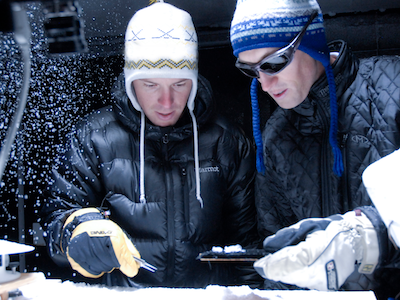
{"x": 185, "y": 194}
{"x": 346, "y": 202}
{"x": 170, "y": 214}
{"x": 325, "y": 186}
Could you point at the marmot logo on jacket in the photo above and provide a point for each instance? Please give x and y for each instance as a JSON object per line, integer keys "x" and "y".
{"x": 359, "y": 139}
{"x": 209, "y": 170}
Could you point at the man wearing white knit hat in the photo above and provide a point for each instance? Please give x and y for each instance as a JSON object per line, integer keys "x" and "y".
{"x": 157, "y": 176}
{"x": 336, "y": 114}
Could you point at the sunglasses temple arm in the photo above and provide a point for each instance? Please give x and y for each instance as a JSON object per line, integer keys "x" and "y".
{"x": 295, "y": 44}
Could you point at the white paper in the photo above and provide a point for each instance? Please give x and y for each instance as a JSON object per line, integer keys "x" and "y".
{"x": 382, "y": 181}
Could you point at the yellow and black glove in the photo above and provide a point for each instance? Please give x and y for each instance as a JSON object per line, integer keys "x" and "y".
{"x": 95, "y": 245}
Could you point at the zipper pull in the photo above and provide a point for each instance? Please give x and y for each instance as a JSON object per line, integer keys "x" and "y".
{"x": 165, "y": 139}
{"x": 343, "y": 140}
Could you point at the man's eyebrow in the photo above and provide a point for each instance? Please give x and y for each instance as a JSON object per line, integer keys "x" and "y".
{"x": 146, "y": 80}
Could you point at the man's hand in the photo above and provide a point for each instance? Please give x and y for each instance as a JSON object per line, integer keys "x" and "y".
{"x": 332, "y": 248}
{"x": 95, "y": 245}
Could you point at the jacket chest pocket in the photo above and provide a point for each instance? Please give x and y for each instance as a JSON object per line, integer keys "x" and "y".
{"x": 203, "y": 222}
{"x": 212, "y": 181}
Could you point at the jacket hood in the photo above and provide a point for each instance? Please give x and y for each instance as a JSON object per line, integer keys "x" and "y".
{"x": 204, "y": 110}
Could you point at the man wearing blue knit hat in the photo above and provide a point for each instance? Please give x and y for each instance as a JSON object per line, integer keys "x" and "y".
{"x": 336, "y": 115}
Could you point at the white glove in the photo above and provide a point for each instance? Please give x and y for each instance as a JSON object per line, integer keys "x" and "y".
{"x": 325, "y": 259}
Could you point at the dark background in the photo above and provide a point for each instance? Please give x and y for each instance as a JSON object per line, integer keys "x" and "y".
{"x": 64, "y": 87}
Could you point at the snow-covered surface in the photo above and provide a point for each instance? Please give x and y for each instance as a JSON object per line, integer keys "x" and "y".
{"x": 228, "y": 249}
{"x": 45, "y": 289}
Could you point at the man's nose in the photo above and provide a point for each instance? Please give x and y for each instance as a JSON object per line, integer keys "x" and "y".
{"x": 267, "y": 81}
{"x": 166, "y": 98}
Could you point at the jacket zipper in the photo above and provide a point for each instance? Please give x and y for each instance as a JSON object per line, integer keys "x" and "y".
{"x": 185, "y": 194}
{"x": 325, "y": 165}
{"x": 344, "y": 182}
{"x": 170, "y": 211}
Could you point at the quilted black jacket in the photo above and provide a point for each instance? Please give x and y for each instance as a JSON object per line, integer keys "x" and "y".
{"x": 171, "y": 228}
{"x": 299, "y": 181}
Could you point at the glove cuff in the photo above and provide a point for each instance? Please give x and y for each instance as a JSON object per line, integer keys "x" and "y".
{"x": 76, "y": 218}
{"x": 367, "y": 248}
{"x": 381, "y": 232}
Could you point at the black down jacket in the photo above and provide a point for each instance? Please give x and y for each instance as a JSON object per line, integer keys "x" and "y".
{"x": 171, "y": 228}
{"x": 299, "y": 182}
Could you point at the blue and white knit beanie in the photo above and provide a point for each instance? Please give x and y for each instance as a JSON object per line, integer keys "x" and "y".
{"x": 274, "y": 23}
{"x": 160, "y": 42}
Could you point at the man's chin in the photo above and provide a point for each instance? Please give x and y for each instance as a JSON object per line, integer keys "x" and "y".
{"x": 287, "y": 102}
{"x": 165, "y": 120}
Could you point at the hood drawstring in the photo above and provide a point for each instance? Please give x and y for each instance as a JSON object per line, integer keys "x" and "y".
{"x": 338, "y": 167}
{"x": 256, "y": 127}
{"x": 196, "y": 158}
{"x": 141, "y": 149}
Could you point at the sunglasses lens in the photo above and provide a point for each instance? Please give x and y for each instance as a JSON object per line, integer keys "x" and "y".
{"x": 249, "y": 72}
{"x": 274, "y": 64}
{"x": 270, "y": 65}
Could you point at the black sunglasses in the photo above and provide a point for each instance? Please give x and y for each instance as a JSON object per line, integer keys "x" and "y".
{"x": 277, "y": 61}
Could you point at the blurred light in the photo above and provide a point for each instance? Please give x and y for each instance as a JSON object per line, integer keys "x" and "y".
{"x": 6, "y": 23}
{"x": 63, "y": 27}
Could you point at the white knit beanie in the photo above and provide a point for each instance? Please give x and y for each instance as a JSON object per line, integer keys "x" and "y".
{"x": 160, "y": 42}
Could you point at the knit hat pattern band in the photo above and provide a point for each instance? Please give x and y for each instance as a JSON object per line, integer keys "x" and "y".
{"x": 160, "y": 42}
{"x": 274, "y": 23}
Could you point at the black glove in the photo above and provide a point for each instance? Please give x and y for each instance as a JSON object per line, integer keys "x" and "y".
{"x": 95, "y": 245}
{"x": 326, "y": 257}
